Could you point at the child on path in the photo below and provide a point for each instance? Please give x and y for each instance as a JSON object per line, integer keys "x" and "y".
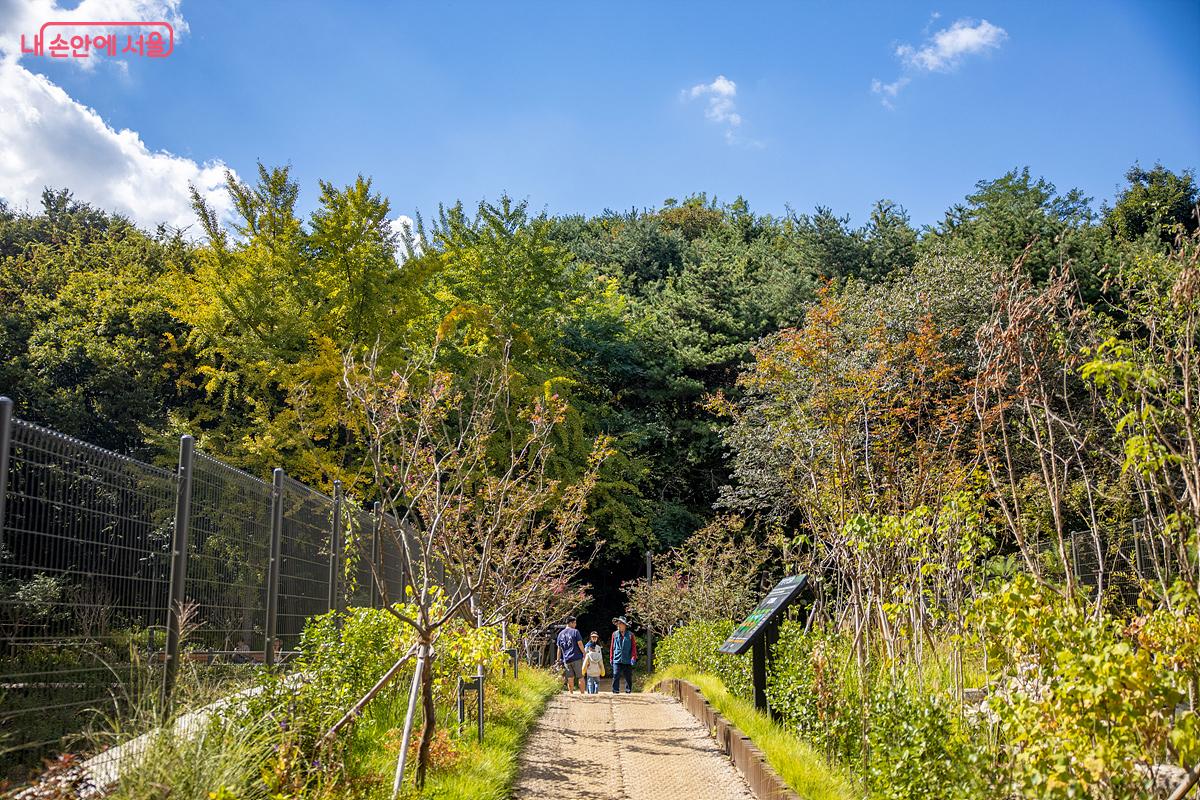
{"x": 593, "y": 663}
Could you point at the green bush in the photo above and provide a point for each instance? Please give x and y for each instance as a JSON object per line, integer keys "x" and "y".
{"x": 695, "y": 646}
{"x": 918, "y": 746}
{"x": 811, "y": 694}
{"x": 344, "y": 654}
{"x": 922, "y": 750}
{"x": 1078, "y": 702}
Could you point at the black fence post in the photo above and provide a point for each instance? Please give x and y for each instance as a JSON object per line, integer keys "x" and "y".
{"x": 760, "y": 661}
{"x": 6, "y": 415}
{"x": 461, "y": 706}
{"x": 759, "y": 673}
{"x": 274, "y": 565}
{"x": 649, "y": 626}
{"x": 376, "y": 561}
{"x": 335, "y": 549}
{"x": 177, "y": 593}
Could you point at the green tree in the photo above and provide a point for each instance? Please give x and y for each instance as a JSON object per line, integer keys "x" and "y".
{"x": 1016, "y": 217}
{"x": 891, "y": 241}
{"x": 274, "y": 306}
{"x": 87, "y": 340}
{"x": 1157, "y": 202}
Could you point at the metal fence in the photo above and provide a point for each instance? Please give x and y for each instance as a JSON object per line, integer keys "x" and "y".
{"x": 112, "y": 569}
{"x": 1132, "y": 557}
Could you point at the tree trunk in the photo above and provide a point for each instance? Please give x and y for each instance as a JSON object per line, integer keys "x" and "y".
{"x": 430, "y": 714}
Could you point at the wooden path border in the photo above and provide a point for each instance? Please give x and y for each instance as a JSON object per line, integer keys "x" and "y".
{"x": 763, "y": 781}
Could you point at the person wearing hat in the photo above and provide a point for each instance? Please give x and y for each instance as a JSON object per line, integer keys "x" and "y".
{"x": 570, "y": 655}
{"x": 624, "y": 655}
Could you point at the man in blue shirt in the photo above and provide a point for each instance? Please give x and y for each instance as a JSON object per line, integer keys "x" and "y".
{"x": 624, "y": 655}
{"x": 570, "y": 654}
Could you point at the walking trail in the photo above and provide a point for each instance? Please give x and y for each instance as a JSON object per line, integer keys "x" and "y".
{"x": 624, "y": 747}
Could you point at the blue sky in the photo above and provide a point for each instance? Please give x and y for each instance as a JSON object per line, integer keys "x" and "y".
{"x": 582, "y": 107}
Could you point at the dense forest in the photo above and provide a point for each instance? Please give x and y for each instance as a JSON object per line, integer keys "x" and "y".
{"x": 648, "y": 322}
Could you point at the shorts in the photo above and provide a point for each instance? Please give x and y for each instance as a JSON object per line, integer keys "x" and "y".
{"x": 573, "y": 670}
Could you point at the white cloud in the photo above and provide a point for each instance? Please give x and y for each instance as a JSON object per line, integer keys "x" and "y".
{"x": 720, "y": 94}
{"x": 946, "y": 48}
{"x": 405, "y": 230}
{"x": 889, "y": 90}
{"x": 402, "y": 225}
{"x": 52, "y": 140}
{"x": 721, "y": 107}
{"x": 941, "y": 52}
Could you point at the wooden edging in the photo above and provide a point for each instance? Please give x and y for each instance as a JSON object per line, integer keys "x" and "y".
{"x": 763, "y": 781}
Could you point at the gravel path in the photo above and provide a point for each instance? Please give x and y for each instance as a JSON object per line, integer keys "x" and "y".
{"x": 624, "y": 747}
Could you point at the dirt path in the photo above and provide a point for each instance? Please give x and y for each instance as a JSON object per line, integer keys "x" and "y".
{"x": 624, "y": 747}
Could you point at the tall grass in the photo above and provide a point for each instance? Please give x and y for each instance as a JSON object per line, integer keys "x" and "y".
{"x": 197, "y": 749}
{"x": 224, "y": 758}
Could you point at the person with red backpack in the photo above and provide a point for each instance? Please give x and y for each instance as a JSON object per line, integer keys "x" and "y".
{"x": 624, "y": 655}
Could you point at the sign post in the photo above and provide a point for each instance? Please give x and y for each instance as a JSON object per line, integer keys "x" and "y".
{"x": 760, "y": 631}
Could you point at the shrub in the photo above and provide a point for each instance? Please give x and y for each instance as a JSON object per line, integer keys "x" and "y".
{"x": 706, "y": 573}
{"x": 922, "y": 750}
{"x": 918, "y": 746}
{"x": 1079, "y": 705}
{"x": 810, "y": 692}
{"x": 695, "y": 646}
{"x": 343, "y": 655}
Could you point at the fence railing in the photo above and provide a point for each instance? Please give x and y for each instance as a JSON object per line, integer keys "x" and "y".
{"x": 1121, "y": 560}
{"x": 110, "y": 567}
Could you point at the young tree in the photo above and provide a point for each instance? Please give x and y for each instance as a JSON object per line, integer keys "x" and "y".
{"x": 1149, "y": 373}
{"x": 1041, "y": 433}
{"x": 462, "y": 465}
{"x": 712, "y": 575}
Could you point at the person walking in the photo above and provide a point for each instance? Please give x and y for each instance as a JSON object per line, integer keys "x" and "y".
{"x": 570, "y": 655}
{"x": 593, "y": 663}
{"x": 624, "y": 655}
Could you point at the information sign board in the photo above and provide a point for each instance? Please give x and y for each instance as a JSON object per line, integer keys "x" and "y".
{"x": 777, "y": 600}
